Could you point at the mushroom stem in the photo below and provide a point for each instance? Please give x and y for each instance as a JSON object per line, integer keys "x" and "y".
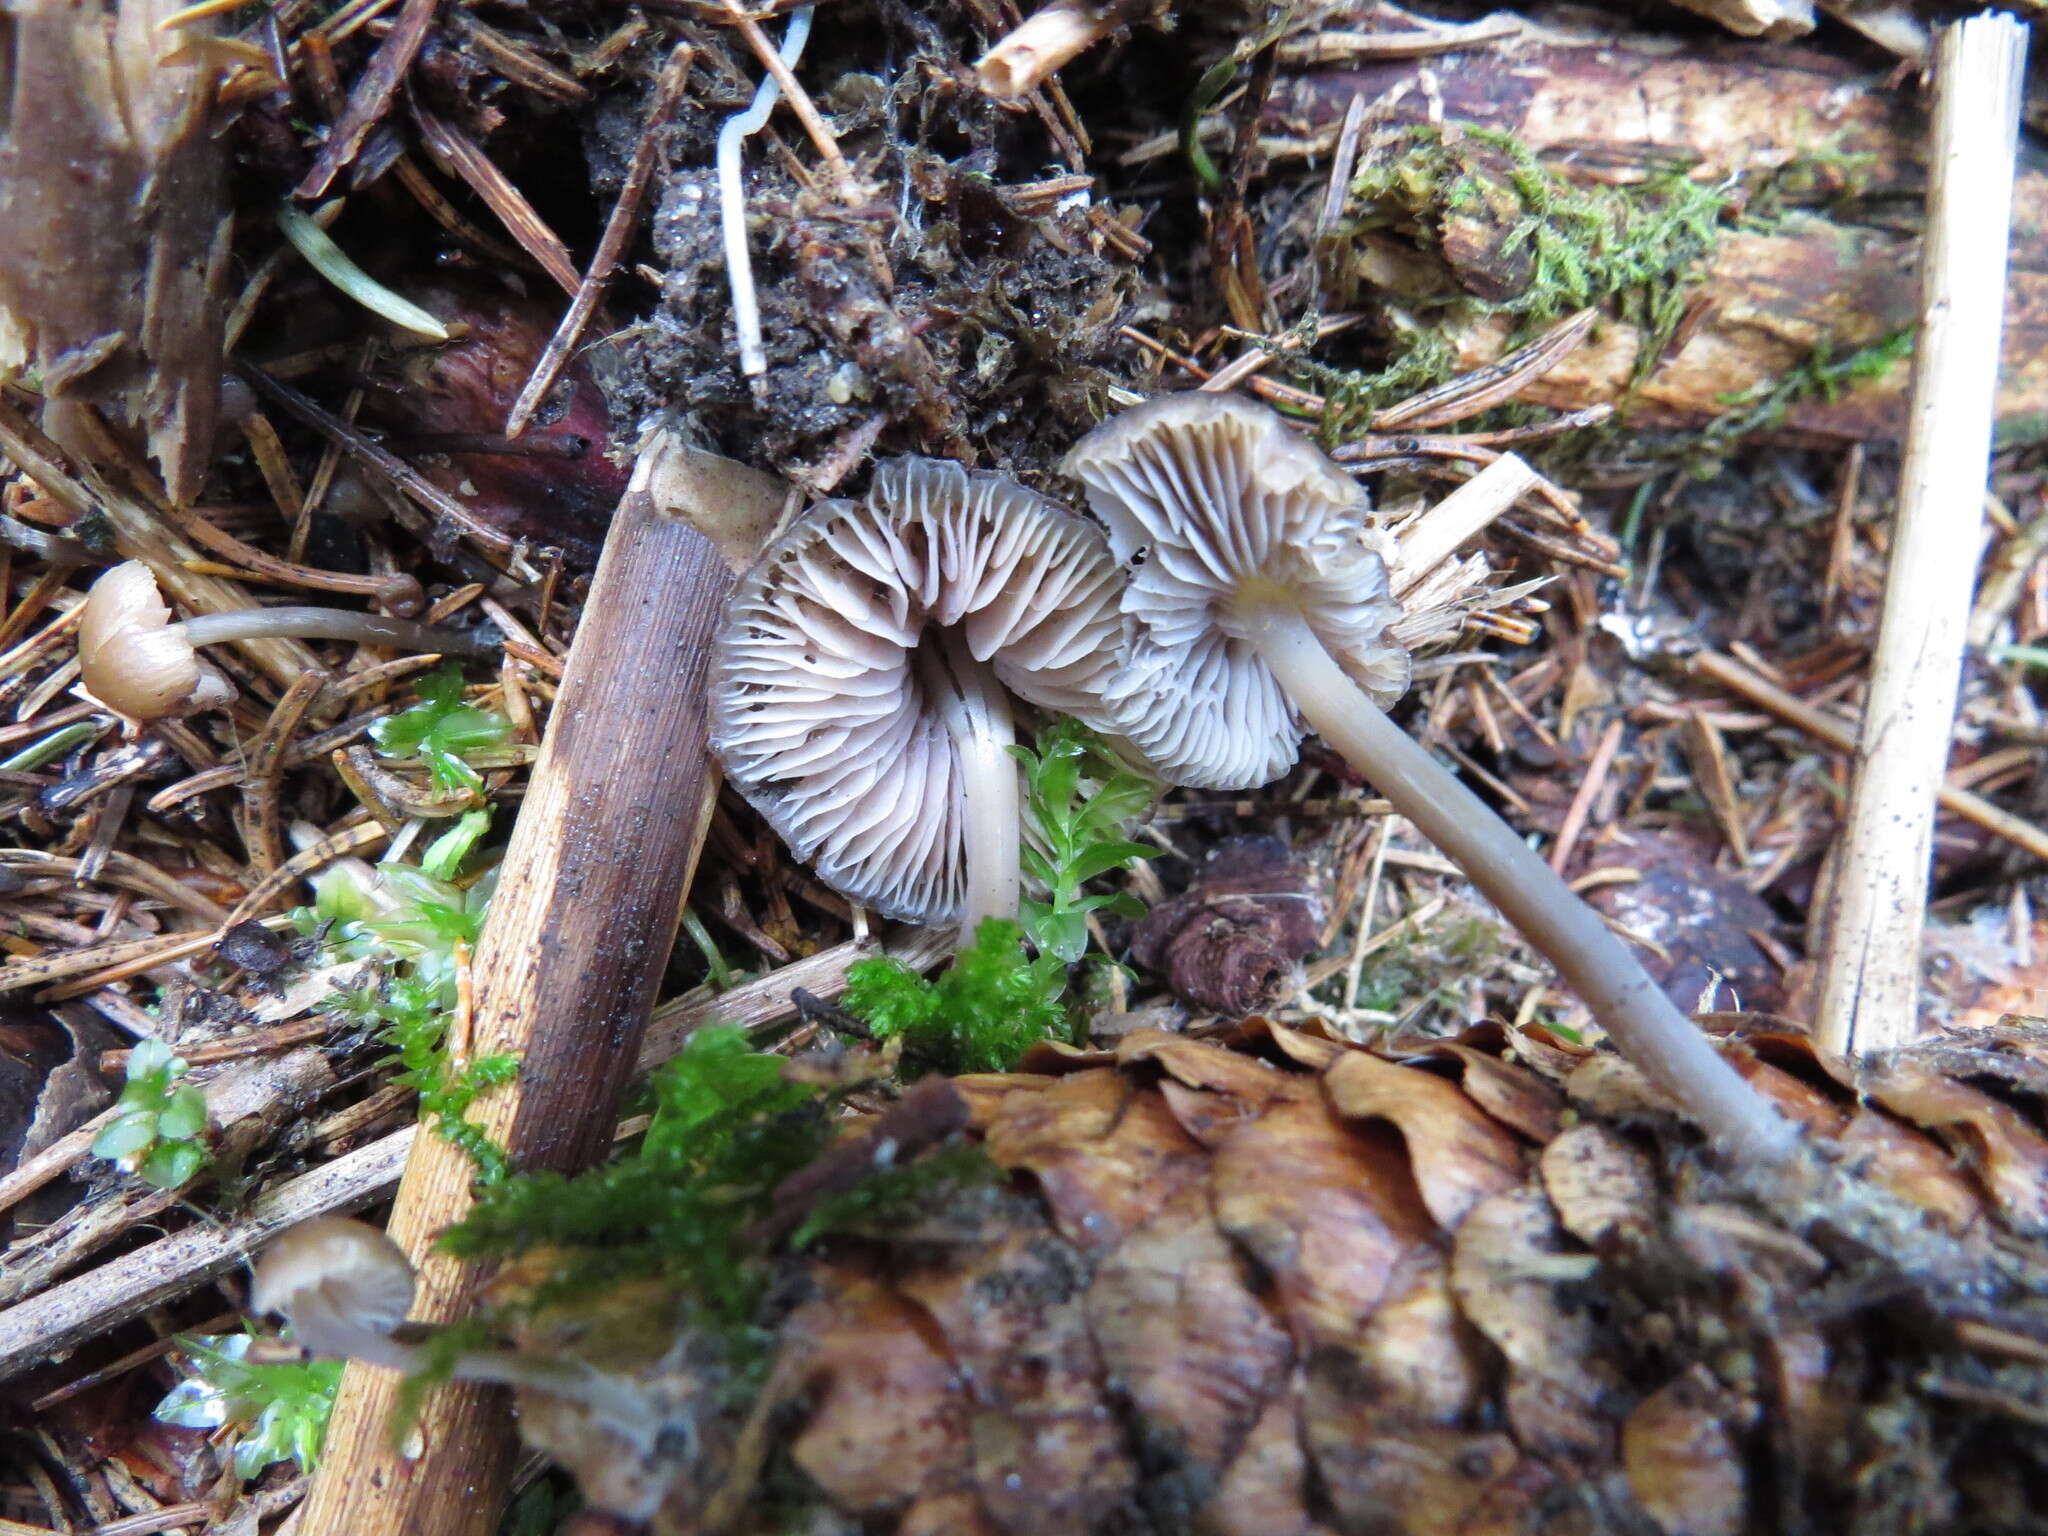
{"x": 326, "y": 624}
{"x": 570, "y": 1379}
{"x": 1645, "y": 1025}
{"x": 976, "y": 712}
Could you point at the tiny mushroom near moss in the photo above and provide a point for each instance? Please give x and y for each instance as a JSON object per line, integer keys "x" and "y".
{"x": 139, "y": 663}
{"x": 1258, "y": 608}
{"x": 861, "y": 691}
{"x": 345, "y": 1287}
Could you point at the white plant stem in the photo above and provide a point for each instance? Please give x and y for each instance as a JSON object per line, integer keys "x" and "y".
{"x": 1644, "y": 1024}
{"x": 732, "y": 198}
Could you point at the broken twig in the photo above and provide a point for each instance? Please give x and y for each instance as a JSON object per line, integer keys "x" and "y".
{"x": 1870, "y": 968}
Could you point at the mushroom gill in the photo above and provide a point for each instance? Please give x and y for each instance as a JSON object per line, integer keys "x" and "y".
{"x": 861, "y": 689}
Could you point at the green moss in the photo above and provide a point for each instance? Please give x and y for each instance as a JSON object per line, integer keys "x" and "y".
{"x": 271, "y": 1411}
{"x": 1415, "y": 970}
{"x": 726, "y": 1129}
{"x": 442, "y": 730}
{"x": 1518, "y": 238}
{"x": 1556, "y": 244}
{"x": 159, "y": 1127}
{"x": 1821, "y": 376}
{"x": 979, "y": 1015}
{"x": 412, "y": 920}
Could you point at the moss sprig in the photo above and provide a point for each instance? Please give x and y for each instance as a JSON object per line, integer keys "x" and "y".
{"x": 1521, "y": 240}
{"x": 442, "y": 731}
{"x": 726, "y": 1128}
{"x": 273, "y": 1411}
{"x": 159, "y": 1126}
{"x": 414, "y": 921}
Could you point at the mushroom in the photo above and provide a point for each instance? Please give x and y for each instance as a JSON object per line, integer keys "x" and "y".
{"x": 345, "y": 1287}
{"x": 860, "y": 697}
{"x": 140, "y": 664}
{"x": 1257, "y": 607}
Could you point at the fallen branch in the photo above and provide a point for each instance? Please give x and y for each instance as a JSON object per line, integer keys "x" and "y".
{"x": 565, "y": 976}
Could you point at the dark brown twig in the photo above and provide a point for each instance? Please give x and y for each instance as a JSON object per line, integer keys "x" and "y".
{"x": 618, "y": 228}
{"x": 371, "y": 98}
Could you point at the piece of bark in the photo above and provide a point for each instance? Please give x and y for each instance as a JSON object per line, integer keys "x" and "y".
{"x": 105, "y": 149}
{"x": 1233, "y": 941}
{"x": 566, "y": 975}
{"x": 1839, "y": 270}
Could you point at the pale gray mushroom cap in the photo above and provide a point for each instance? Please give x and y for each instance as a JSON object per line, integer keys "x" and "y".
{"x": 818, "y": 709}
{"x": 1207, "y": 496}
{"x": 337, "y": 1280}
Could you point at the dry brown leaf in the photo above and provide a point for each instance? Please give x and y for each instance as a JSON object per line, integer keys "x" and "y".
{"x": 887, "y": 1419}
{"x": 1900, "y": 1159}
{"x": 1200, "y": 1064}
{"x": 1106, "y": 1154}
{"x": 1265, "y": 1491}
{"x": 1507, "y": 1280}
{"x": 1513, "y": 1095}
{"x": 1603, "y": 1188}
{"x": 2006, "y": 1153}
{"x": 1681, "y": 1460}
{"x": 1328, "y": 1213}
{"x": 1197, "y": 1354}
{"x": 1460, "y": 1155}
{"x": 1045, "y": 1454}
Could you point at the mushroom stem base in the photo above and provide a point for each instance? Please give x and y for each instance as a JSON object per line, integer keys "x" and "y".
{"x": 1644, "y": 1024}
{"x": 976, "y": 711}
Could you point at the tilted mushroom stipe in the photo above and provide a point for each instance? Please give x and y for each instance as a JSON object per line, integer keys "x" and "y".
{"x": 860, "y": 697}
{"x": 1257, "y": 610}
{"x": 139, "y": 663}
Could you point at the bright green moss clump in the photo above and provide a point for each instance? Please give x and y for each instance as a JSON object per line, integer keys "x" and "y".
{"x": 979, "y": 1015}
{"x": 726, "y": 1130}
{"x": 1509, "y": 235}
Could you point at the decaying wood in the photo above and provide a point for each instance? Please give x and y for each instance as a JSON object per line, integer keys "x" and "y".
{"x": 1870, "y": 964}
{"x": 105, "y": 149}
{"x": 1842, "y": 153}
{"x": 566, "y": 976}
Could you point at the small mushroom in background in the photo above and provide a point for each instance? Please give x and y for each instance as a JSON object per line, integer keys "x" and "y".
{"x": 1258, "y": 609}
{"x": 860, "y": 698}
{"x": 345, "y": 1287}
{"x": 139, "y": 663}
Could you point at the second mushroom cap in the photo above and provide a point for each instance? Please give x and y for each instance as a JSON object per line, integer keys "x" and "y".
{"x": 1215, "y": 502}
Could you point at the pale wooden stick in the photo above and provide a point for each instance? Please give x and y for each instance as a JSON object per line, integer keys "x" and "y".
{"x": 1431, "y": 538}
{"x": 566, "y": 975}
{"x": 1046, "y": 40}
{"x": 1870, "y": 964}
